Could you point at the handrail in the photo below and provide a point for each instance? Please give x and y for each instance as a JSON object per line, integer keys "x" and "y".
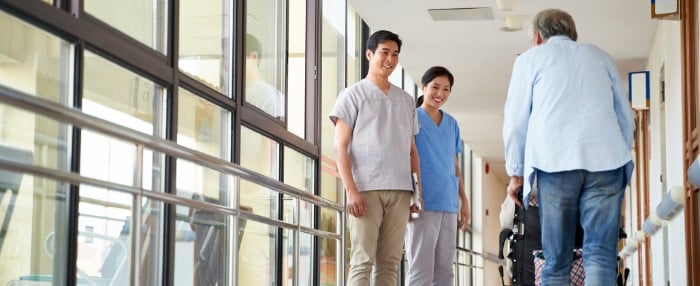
{"x": 168, "y": 198}
{"x": 76, "y": 117}
{"x": 471, "y": 252}
{"x": 489, "y": 256}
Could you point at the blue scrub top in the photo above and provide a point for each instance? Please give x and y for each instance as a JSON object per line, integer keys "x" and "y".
{"x": 438, "y": 146}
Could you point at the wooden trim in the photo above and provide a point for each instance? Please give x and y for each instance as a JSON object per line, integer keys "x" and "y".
{"x": 644, "y": 124}
{"x": 689, "y": 95}
{"x": 642, "y": 155}
{"x": 637, "y": 191}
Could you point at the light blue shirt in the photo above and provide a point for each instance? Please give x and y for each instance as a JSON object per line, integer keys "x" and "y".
{"x": 437, "y": 147}
{"x": 566, "y": 110}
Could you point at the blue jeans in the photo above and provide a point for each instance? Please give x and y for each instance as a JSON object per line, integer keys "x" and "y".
{"x": 596, "y": 199}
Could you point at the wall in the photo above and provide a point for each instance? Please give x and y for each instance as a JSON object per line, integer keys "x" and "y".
{"x": 488, "y": 195}
{"x": 665, "y": 52}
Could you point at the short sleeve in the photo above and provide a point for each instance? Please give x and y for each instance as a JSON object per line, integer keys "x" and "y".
{"x": 345, "y": 108}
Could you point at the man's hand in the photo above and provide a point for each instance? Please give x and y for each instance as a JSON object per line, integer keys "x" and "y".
{"x": 355, "y": 204}
{"x": 516, "y": 182}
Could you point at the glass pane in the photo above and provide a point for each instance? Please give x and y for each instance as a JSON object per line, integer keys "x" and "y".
{"x": 299, "y": 173}
{"x": 151, "y": 242}
{"x": 330, "y": 261}
{"x": 204, "y": 184}
{"x": 260, "y": 154}
{"x": 104, "y": 240}
{"x": 107, "y": 158}
{"x": 354, "y": 51}
{"x": 34, "y": 61}
{"x": 205, "y": 42}
{"x": 289, "y": 273}
{"x": 260, "y": 200}
{"x": 257, "y": 257}
{"x": 329, "y": 221}
{"x": 32, "y": 139}
{"x": 408, "y": 85}
{"x": 202, "y": 125}
{"x": 396, "y": 77}
{"x": 306, "y": 255}
{"x": 265, "y": 55}
{"x": 33, "y": 236}
{"x": 290, "y": 209}
{"x": 120, "y": 96}
{"x": 201, "y": 247}
{"x": 296, "y": 59}
{"x": 333, "y": 80}
{"x": 146, "y": 21}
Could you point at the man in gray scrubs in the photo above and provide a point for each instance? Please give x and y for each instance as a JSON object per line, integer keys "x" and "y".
{"x": 375, "y": 152}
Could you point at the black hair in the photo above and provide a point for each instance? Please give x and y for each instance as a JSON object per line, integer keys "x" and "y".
{"x": 382, "y": 36}
{"x": 437, "y": 71}
{"x": 252, "y": 44}
{"x": 419, "y": 101}
{"x": 554, "y": 22}
{"x": 432, "y": 73}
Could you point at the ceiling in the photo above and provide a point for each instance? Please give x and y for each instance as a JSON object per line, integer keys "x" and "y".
{"x": 481, "y": 56}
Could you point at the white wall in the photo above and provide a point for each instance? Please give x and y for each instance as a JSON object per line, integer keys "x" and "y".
{"x": 489, "y": 193}
{"x": 666, "y": 53}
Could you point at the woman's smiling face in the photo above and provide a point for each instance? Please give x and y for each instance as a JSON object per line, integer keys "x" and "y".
{"x": 437, "y": 91}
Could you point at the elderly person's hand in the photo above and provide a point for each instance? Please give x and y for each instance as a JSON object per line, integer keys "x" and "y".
{"x": 516, "y": 182}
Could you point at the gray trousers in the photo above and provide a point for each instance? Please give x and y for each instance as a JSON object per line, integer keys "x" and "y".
{"x": 430, "y": 249}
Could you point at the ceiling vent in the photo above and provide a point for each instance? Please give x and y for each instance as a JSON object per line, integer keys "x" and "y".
{"x": 461, "y": 14}
{"x": 513, "y": 23}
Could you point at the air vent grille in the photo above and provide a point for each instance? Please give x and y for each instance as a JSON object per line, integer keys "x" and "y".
{"x": 461, "y": 14}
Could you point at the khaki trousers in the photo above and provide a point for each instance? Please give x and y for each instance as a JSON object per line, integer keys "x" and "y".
{"x": 377, "y": 238}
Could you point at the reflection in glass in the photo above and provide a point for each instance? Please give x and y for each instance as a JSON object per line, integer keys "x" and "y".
{"x": 306, "y": 254}
{"x": 299, "y": 173}
{"x": 202, "y": 125}
{"x": 289, "y": 270}
{"x": 204, "y": 184}
{"x": 258, "y": 92}
{"x": 34, "y": 61}
{"x": 34, "y": 238}
{"x": 329, "y": 259}
{"x": 296, "y": 61}
{"x": 260, "y": 154}
{"x": 201, "y": 245}
{"x": 333, "y": 80}
{"x": 123, "y": 97}
{"x": 151, "y": 242}
{"x": 265, "y": 56}
{"x": 329, "y": 220}
{"x": 205, "y": 42}
{"x": 143, "y": 20}
{"x": 257, "y": 257}
{"x": 104, "y": 240}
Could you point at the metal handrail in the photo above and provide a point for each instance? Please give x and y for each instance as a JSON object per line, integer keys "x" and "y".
{"x": 78, "y": 118}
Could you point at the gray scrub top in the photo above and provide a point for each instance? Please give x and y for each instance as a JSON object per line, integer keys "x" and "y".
{"x": 382, "y": 129}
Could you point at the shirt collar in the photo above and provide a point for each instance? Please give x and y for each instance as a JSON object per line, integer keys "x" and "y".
{"x": 558, "y": 38}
